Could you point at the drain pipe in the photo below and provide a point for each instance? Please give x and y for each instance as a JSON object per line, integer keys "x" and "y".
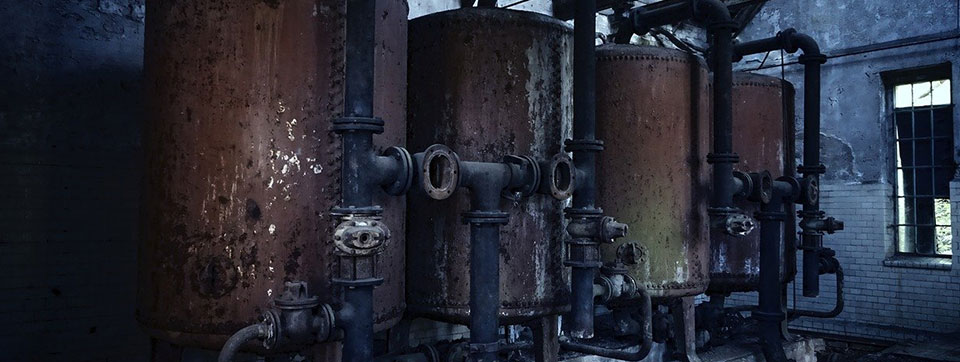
{"x": 813, "y": 221}
{"x": 828, "y": 265}
{"x": 588, "y": 227}
{"x": 442, "y": 173}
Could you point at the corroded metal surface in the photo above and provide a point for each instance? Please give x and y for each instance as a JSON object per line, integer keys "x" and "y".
{"x": 653, "y": 114}
{"x": 241, "y": 170}
{"x": 764, "y": 142}
{"x": 488, "y": 83}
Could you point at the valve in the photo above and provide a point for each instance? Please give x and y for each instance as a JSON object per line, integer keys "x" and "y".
{"x": 605, "y": 229}
{"x": 361, "y": 236}
{"x": 297, "y": 318}
{"x": 739, "y": 224}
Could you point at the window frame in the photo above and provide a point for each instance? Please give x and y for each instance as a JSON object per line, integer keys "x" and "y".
{"x": 891, "y": 80}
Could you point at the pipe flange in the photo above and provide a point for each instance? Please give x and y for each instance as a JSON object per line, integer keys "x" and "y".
{"x": 361, "y": 236}
{"x": 809, "y": 190}
{"x": 763, "y": 187}
{"x": 530, "y": 184}
{"x": 560, "y": 180}
{"x": 440, "y": 172}
{"x": 747, "y": 182}
{"x": 401, "y": 184}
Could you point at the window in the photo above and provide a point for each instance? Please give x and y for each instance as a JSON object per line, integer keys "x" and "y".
{"x": 923, "y": 116}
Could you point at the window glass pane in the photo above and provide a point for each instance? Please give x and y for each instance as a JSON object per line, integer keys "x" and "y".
{"x": 905, "y": 182}
{"x": 924, "y": 179}
{"x": 902, "y": 96}
{"x": 907, "y": 235}
{"x": 941, "y": 92}
{"x": 921, "y": 123}
{"x": 921, "y": 94}
{"x": 904, "y": 121}
{"x": 926, "y": 240}
{"x": 905, "y": 153}
{"x": 923, "y": 149}
{"x": 943, "y": 121}
{"x": 943, "y": 151}
{"x": 941, "y": 179}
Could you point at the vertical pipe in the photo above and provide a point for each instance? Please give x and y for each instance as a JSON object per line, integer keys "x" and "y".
{"x": 585, "y": 161}
{"x": 484, "y": 288}
{"x": 811, "y": 240}
{"x": 357, "y": 152}
{"x": 358, "y": 101}
{"x": 723, "y": 119}
{"x": 770, "y": 314}
{"x": 358, "y": 329}
{"x": 584, "y": 102}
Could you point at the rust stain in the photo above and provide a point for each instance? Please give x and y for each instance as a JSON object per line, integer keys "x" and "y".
{"x": 764, "y": 141}
{"x": 241, "y": 168}
{"x": 488, "y": 83}
{"x": 653, "y": 114}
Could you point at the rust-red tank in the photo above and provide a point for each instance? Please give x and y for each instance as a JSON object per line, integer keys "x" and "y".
{"x": 763, "y": 136}
{"x": 653, "y": 114}
{"x": 488, "y": 83}
{"x": 241, "y": 168}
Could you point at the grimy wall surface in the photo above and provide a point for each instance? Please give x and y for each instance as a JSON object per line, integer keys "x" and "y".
{"x": 883, "y": 300}
{"x": 70, "y": 80}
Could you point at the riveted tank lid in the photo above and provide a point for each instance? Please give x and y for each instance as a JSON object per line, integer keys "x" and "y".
{"x": 615, "y": 52}
{"x": 486, "y": 15}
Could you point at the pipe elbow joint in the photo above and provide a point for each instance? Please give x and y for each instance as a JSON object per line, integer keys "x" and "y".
{"x": 715, "y": 14}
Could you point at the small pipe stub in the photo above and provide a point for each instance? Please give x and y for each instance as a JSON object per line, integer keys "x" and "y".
{"x": 560, "y": 180}
{"x": 440, "y": 172}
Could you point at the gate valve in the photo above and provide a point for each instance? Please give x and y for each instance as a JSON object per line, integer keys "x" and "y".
{"x": 360, "y": 236}
{"x": 828, "y": 261}
{"x": 809, "y": 191}
{"x": 832, "y": 225}
{"x": 297, "y": 318}
{"x": 818, "y": 223}
{"x": 604, "y": 229}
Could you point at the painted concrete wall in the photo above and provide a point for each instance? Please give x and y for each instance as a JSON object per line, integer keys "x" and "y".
{"x": 70, "y": 80}
{"x": 883, "y": 301}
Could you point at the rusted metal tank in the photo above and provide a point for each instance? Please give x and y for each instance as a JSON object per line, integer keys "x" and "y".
{"x": 488, "y": 83}
{"x": 763, "y": 131}
{"x": 653, "y": 114}
{"x": 241, "y": 168}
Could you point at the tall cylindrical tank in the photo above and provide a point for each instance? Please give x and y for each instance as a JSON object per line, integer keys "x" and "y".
{"x": 241, "y": 168}
{"x": 653, "y": 114}
{"x": 488, "y": 83}
{"x": 763, "y": 131}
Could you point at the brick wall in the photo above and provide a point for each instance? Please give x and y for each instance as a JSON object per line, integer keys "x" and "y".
{"x": 69, "y": 152}
{"x": 881, "y": 301}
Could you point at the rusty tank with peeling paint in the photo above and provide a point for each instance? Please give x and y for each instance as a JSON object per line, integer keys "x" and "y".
{"x": 241, "y": 169}
{"x": 654, "y": 116}
{"x": 763, "y": 136}
{"x": 488, "y": 83}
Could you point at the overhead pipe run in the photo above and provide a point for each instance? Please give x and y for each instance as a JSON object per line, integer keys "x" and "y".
{"x": 297, "y": 319}
{"x": 442, "y": 173}
{"x": 813, "y": 223}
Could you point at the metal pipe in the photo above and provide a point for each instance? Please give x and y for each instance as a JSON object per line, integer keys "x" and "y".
{"x": 357, "y": 317}
{"x": 837, "y": 308}
{"x": 646, "y": 338}
{"x": 769, "y": 314}
{"x": 244, "y": 335}
{"x": 583, "y": 255}
{"x": 811, "y": 238}
{"x": 358, "y": 103}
